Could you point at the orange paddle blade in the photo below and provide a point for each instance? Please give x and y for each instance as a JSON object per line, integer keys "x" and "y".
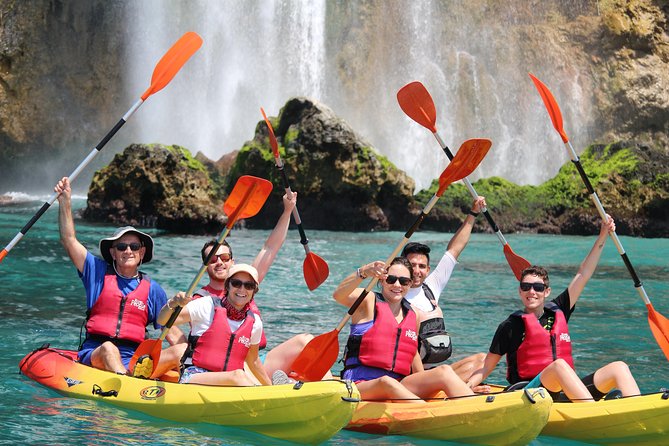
{"x": 172, "y": 61}
{"x": 416, "y": 102}
{"x": 315, "y": 269}
{"x": 516, "y": 262}
{"x": 247, "y": 198}
{"x": 316, "y": 358}
{"x": 659, "y": 326}
{"x": 150, "y": 347}
{"x": 3, "y": 254}
{"x": 551, "y": 106}
{"x": 464, "y": 162}
{"x": 272, "y": 137}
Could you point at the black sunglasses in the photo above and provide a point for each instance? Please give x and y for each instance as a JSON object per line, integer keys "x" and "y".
{"x": 236, "y": 283}
{"x": 538, "y": 286}
{"x": 404, "y": 281}
{"x": 123, "y": 246}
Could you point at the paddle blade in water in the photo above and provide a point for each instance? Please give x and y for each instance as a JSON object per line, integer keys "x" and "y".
{"x": 150, "y": 350}
{"x": 551, "y": 106}
{"x": 172, "y": 61}
{"x": 272, "y": 137}
{"x": 416, "y": 102}
{"x": 467, "y": 159}
{"x": 316, "y": 358}
{"x": 247, "y": 198}
{"x": 315, "y": 269}
{"x": 516, "y": 262}
{"x": 659, "y": 326}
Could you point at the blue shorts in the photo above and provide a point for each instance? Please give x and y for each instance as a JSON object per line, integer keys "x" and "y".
{"x": 189, "y": 372}
{"x": 89, "y": 346}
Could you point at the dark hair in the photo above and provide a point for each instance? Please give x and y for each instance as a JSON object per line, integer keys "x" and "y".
{"x": 535, "y": 270}
{"x": 404, "y": 262}
{"x": 416, "y": 248}
{"x": 213, "y": 242}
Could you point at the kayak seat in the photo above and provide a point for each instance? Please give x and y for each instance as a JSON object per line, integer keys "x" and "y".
{"x": 613, "y": 395}
{"x": 517, "y": 386}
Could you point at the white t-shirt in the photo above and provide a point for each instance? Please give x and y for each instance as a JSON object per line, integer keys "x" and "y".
{"x": 202, "y": 314}
{"x": 436, "y": 281}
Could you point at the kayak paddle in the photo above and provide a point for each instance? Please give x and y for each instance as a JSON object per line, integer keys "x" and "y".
{"x": 163, "y": 73}
{"x": 246, "y": 199}
{"x": 315, "y": 269}
{"x": 416, "y": 102}
{"x": 320, "y": 353}
{"x": 659, "y": 325}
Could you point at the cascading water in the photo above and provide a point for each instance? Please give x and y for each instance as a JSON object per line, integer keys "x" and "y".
{"x": 354, "y": 56}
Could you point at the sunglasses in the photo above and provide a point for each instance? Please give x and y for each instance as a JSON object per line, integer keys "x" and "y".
{"x": 123, "y": 246}
{"x": 404, "y": 281}
{"x": 538, "y": 286}
{"x": 224, "y": 258}
{"x": 236, "y": 283}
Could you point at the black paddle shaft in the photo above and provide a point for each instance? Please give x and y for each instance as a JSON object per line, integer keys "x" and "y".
{"x": 591, "y": 191}
{"x": 286, "y": 185}
{"x": 487, "y": 215}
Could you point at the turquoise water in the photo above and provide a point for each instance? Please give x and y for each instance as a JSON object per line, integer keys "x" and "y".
{"x": 43, "y": 302}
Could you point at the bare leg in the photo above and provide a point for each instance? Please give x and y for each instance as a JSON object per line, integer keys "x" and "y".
{"x": 560, "y": 376}
{"x": 282, "y": 356}
{"x": 170, "y": 358}
{"x": 107, "y": 357}
{"x": 231, "y": 378}
{"x": 465, "y": 367}
{"x": 386, "y": 388}
{"x": 616, "y": 375}
{"x": 425, "y": 384}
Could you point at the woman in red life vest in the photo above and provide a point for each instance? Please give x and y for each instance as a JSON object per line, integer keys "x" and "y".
{"x": 381, "y": 354}
{"x": 536, "y": 340}
{"x": 224, "y": 333}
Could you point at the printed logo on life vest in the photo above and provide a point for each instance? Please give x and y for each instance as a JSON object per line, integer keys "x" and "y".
{"x": 139, "y": 304}
{"x": 565, "y": 337}
{"x": 151, "y": 393}
{"x": 411, "y": 334}
{"x": 244, "y": 340}
{"x": 71, "y": 382}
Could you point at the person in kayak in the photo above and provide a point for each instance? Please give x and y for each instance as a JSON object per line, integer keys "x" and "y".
{"x": 121, "y": 300}
{"x": 537, "y": 344}
{"x": 224, "y": 334}
{"x": 434, "y": 342}
{"x": 382, "y": 349}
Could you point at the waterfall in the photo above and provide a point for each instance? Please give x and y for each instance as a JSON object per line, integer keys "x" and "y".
{"x": 354, "y": 56}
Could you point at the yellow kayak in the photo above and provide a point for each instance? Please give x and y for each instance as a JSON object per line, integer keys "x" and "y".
{"x": 635, "y": 420}
{"x": 496, "y": 419}
{"x": 301, "y": 413}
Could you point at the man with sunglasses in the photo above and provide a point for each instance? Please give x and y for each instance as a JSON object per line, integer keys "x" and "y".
{"x": 536, "y": 340}
{"x": 121, "y": 300}
{"x": 435, "y": 343}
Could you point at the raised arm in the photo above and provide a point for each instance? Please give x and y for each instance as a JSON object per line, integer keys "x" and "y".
{"x": 590, "y": 262}
{"x": 349, "y": 289}
{"x": 184, "y": 316}
{"x": 275, "y": 240}
{"x": 75, "y": 250}
{"x": 461, "y": 237}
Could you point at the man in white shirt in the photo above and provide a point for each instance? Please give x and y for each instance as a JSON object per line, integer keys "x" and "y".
{"x": 425, "y": 292}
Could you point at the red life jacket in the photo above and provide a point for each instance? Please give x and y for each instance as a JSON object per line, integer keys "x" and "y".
{"x": 219, "y": 349}
{"x": 209, "y": 291}
{"x": 387, "y": 345}
{"x": 120, "y": 317}
{"x": 541, "y": 347}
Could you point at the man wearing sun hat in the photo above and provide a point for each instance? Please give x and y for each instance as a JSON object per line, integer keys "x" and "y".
{"x": 121, "y": 300}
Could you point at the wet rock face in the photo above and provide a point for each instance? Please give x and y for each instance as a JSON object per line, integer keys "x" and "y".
{"x": 156, "y": 186}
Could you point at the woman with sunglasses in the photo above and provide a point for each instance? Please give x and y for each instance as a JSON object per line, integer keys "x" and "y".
{"x": 224, "y": 333}
{"x": 382, "y": 349}
{"x": 536, "y": 340}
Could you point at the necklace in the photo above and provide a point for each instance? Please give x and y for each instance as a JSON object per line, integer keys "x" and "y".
{"x": 136, "y": 276}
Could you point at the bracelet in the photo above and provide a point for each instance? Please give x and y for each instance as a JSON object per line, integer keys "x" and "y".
{"x": 168, "y": 305}
{"x": 360, "y": 274}
{"x": 473, "y": 214}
